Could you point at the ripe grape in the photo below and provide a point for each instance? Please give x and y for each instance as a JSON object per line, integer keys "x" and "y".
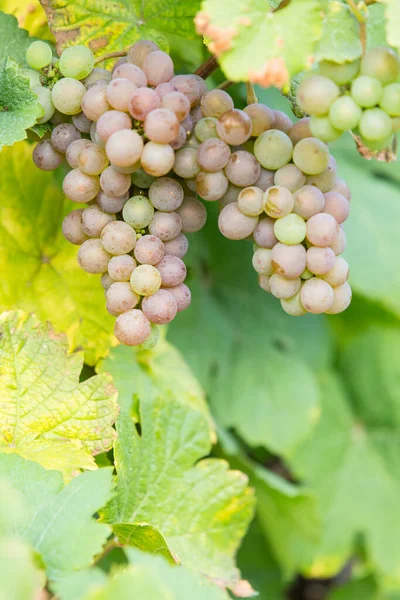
{"x": 121, "y": 297}
{"x": 142, "y": 102}
{"x": 142, "y": 179}
{"x": 166, "y": 88}
{"x": 139, "y": 50}
{"x": 262, "y": 118}
{"x": 278, "y": 201}
{"x": 186, "y": 165}
{"x": 231, "y": 195}
{"x": 138, "y": 212}
{"x": 120, "y": 268}
{"x": 92, "y": 159}
{"x": 265, "y": 180}
{"x": 273, "y": 149}
{"x": 46, "y": 102}
{"x": 234, "y": 225}
{"x": 119, "y": 93}
{"x": 322, "y": 128}
{"x": 263, "y": 282}
{"x": 132, "y": 327}
{"x": 172, "y": 270}
{"x": 264, "y": 235}
{"x": 316, "y": 94}
{"x": 193, "y": 215}
{"x": 289, "y": 261}
{"x": 320, "y": 260}
{"x": 338, "y": 273}
{"x": 38, "y": 55}
{"x": 293, "y": 306}
{"x": 94, "y": 102}
{"x": 215, "y": 103}
{"x": 77, "y": 62}
{"x": 113, "y": 183}
{"x": 300, "y": 130}
{"x": 282, "y": 121}
{"x": 262, "y": 261}
{"x": 234, "y": 127}
{"x": 316, "y": 295}
{"x": 182, "y": 295}
{"x": 177, "y": 103}
{"x": 337, "y": 205}
{"x": 390, "y": 101}
{"x": 94, "y": 136}
{"x": 73, "y": 151}
{"x": 366, "y": 91}
{"x": 341, "y": 187}
{"x": 340, "y": 242}
{"x": 283, "y": 288}
{"x": 177, "y": 247}
{"x": 46, "y": 157}
{"x": 96, "y": 75}
{"x": 308, "y": 201}
{"x": 131, "y": 72}
{"x": 242, "y": 169}
{"x": 381, "y": 63}
{"x": 72, "y": 227}
{"x": 161, "y": 126}
{"x": 67, "y": 96}
{"x": 124, "y": 147}
{"x": 160, "y": 308}
{"x": 120, "y": 61}
{"x": 145, "y": 280}
{"x": 149, "y": 250}
{"x": 79, "y": 187}
{"x": 322, "y": 230}
{"x": 192, "y": 86}
{"x": 94, "y": 220}
{"x": 206, "y": 128}
{"x": 375, "y": 124}
{"x": 165, "y": 225}
{"x": 211, "y": 186}
{"x": 158, "y": 67}
{"x": 325, "y": 180}
{"x": 81, "y": 122}
{"x": 290, "y": 177}
{"x": 166, "y": 194}
{"x": 106, "y": 281}
{"x": 341, "y": 299}
{"x": 112, "y": 121}
{"x": 157, "y": 159}
{"x": 311, "y": 156}
{"x": 290, "y": 230}
{"x": 339, "y": 73}
{"x": 345, "y": 113}
{"x": 118, "y": 238}
{"x": 92, "y": 257}
{"x": 213, "y": 154}
{"x": 250, "y": 201}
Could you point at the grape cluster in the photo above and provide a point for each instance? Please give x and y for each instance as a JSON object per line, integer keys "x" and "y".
{"x": 362, "y": 96}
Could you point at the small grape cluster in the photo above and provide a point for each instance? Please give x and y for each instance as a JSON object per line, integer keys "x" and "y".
{"x": 362, "y": 96}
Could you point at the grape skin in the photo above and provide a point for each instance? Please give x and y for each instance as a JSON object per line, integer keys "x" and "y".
{"x": 320, "y": 260}
{"x": 182, "y": 295}
{"x": 79, "y": 187}
{"x": 316, "y": 295}
{"x": 46, "y": 157}
{"x": 97, "y": 74}
{"x": 72, "y": 227}
{"x": 45, "y": 100}
{"x": 67, "y": 95}
{"x": 283, "y": 288}
{"x": 339, "y": 243}
{"x": 234, "y": 225}
{"x": 325, "y": 180}
{"x": 132, "y": 327}
{"x": 119, "y": 93}
{"x": 109, "y": 204}
{"x": 118, "y": 238}
{"x": 160, "y": 308}
{"x": 186, "y": 165}
{"x": 73, "y": 150}
{"x": 172, "y": 270}
{"x": 193, "y": 215}
{"x": 381, "y": 63}
{"x": 282, "y": 121}
{"x": 124, "y": 147}
{"x": 94, "y": 220}
{"x": 293, "y": 306}
{"x": 290, "y": 230}
{"x": 390, "y": 101}
{"x": 262, "y": 118}
{"x": 177, "y": 247}
{"x": 38, "y": 55}
{"x": 77, "y": 62}
{"x": 161, "y": 126}
{"x": 322, "y": 128}
{"x": 112, "y": 121}
{"x": 300, "y": 130}
{"x": 242, "y": 169}
{"x": 316, "y": 94}
{"x": 264, "y": 235}
{"x": 322, "y": 230}
{"x": 250, "y": 201}
{"x": 94, "y": 102}
{"x": 262, "y": 261}
{"x": 177, "y": 103}
{"x": 138, "y": 212}
{"x": 213, "y": 155}
{"x": 211, "y": 186}
{"x": 375, "y": 124}
{"x": 131, "y": 72}
{"x": 345, "y": 113}
{"x": 140, "y": 50}
{"x": 63, "y": 135}
{"x": 308, "y": 201}
{"x": 92, "y": 160}
{"x": 121, "y": 297}
{"x": 165, "y": 225}
{"x": 289, "y": 261}
{"x": 311, "y": 156}
{"x": 263, "y": 282}
{"x": 166, "y": 194}
{"x": 149, "y": 250}
{"x": 120, "y": 268}
{"x": 342, "y": 187}
{"x": 339, "y": 73}
{"x": 158, "y": 67}
{"x": 92, "y": 257}
{"x": 145, "y": 280}
{"x": 142, "y": 102}
{"x": 337, "y": 205}
{"x": 157, "y": 159}
{"x": 192, "y": 86}
{"x": 106, "y": 281}
{"x": 113, "y": 183}
{"x": 234, "y": 127}
{"x": 278, "y": 201}
{"x": 81, "y": 122}
{"x": 273, "y": 149}
{"x": 341, "y": 299}
{"x": 366, "y": 91}
{"x": 290, "y": 177}
{"x": 215, "y": 103}
{"x": 142, "y": 179}
{"x": 338, "y": 274}
{"x": 205, "y": 129}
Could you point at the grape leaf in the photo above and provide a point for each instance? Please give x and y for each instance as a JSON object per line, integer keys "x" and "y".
{"x": 31, "y": 17}
{"x": 143, "y": 537}
{"x": 376, "y": 25}
{"x": 340, "y": 41}
{"x": 364, "y": 588}
{"x": 108, "y": 26}
{"x": 41, "y": 129}
{"x": 19, "y": 108}
{"x": 392, "y": 14}
{"x": 78, "y": 584}
{"x": 46, "y": 414}
{"x": 202, "y": 511}
{"x": 58, "y": 520}
{"x": 20, "y": 578}
{"x": 49, "y": 283}
{"x": 13, "y": 40}
{"x": 238, "y": 38}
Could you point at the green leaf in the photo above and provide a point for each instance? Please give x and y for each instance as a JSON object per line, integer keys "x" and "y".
{"x": 392, "y": 14}
{"x": 202, "y": 511}
{"x": 253, "y": 43}
{"x": 50, "y": 283}
{"x": 376, "y": 25}
{"x": 42, "y": 129}
{"x": 143, "y": 537}
{"x": 364, "y": 588}
{"x": 58, "y": 520}
{"x": 78, "y": 584}
{"x": 13, "y": 40}
{"x": 46, "y": 414}
{"x": 19, "y": 108}
{"x": 108, "y": 26}
{"x": 20, "y": 578}
{"x": 340, "y": 41}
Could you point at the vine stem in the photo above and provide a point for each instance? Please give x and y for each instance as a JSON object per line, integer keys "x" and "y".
{"x": 118, "y": 54}
{"x": 361, "y": 20}
{"x": 207, "y": 67}
{"x": 225, "y": 84}
{"x": 251, "y": 94}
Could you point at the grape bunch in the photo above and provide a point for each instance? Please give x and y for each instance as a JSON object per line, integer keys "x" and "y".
{"x": 362, "y": 96}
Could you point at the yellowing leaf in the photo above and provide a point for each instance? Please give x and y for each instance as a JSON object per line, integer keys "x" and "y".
{"x": 46, "y": 414}
{"x": 31, "y": 17}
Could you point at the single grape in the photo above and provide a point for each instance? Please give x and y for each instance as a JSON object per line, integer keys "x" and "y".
{"x": 322, "y": 128}
{"x": 234, "y": 225}
{"x": 92, "y": 160}
{"x": 119, "y": 93}
{"x": 45, "y": 100}
{"x": 77, "y": 62}
{"x": 94, "y": 220}
{"x": 138, "y": 212}
{"x": 94, "y": 136}
{"x": 158, "y": 67}
{"x": 211, "y": 186}
{"x": 273, "y": 149}
{"x": 121, "y": 61}
{"x": 152, "y": 340}
{"x": 112, "y": 121}
{"x": 67, "y": 96}
{"x": 73, "y": 151}
{"x": 283, "y": 288}
{"x": 113, "y": 183}
{"x": 190, "y": 185}
{"x": 166, "y": 194}
{"x": 142, "y": 179}
{"x": 311, "y": 156}
{"x": 106, "y": 281}
{"x": 145, "y": 280}
{"x": 92, "y": 257}
{"x": 121, "y": 297}
{"x": 161, "y": 126}
{"x": 366, "y": 91}
{"x": 263, "y": 282}
{"x": 308, "y": 201}
{"x": 95, "y": 103}
{"x": 381, "y": 63}
{"x": 341, "y": 299}
{"x": 188, "y": 125}
{"x": 289, "y": 261}
{"x": 186, "y": 165}
{"x": 265, "y": 180}
{"x": 96, "y": 75}
{"x": 124, "y": 147}
{"x": 282, "y": 121}
{"x": 177, "y": 103}
{"x": 306, "y": 274}
{"x": 375, "y": 124}
{"x": 231, "y": 195}
{"x": 380, "y": 144}
{"x": 109, "y": 204}
{"x": 293, "y": 306}
{"x": 193, "y": 215}
{"x": 262, "y": 118}
{"x": 79, "y": 187}
{"x": 213, "y": 154}
{"x": 172, "y": 270}
{"x": 192, "y": 86}
{"x": 142, "y": 102}
{"x": 264, "y": 235}
{"x": 132, "y": 328}
{"x": 290, "y": 230}
{"x": 390, "y": 101}
{"x": 278, "y": 201}
{"x": 38, "y": 55}
{"x": 149, "y": 250}
{"x": 250, "y": 201}
{"x": 316, "y": 94}
{"x": 320, "y": 260}
{"x": 131, "y": 72}
{"x": 337, "y": 205}
{"x": 338, "y": 274}
{"x": 325, "y": 180}
{"x": 166, "y": 88}
{"x": 139, "y": 50}
{"x": 72, "y": 228}
{"x": 322, "y": 230}
{"x": 242, "y": 169}
{"x": 234, "y": 127}
{"x": 165, "y": 225}
{"x": 340, "y": 242}
{"x": 339, "y": 73}
{"x": 46, "y": 157}
{"x": 290, "y": 177}
{"x": 160, "y": 308}
{"x": 81, "y": 122}
{"x": 300, "y": 130}
{"x": 120, "y": 268}
{"x": 206, "y": 128}
{"x": 157, "y": 159}
{"x": 118, "y": 238}
{"x": 316, "y": 295}
{"x": 177, "y": 247}
{"x": 182, "y": 295}
{"x": 341, "y": 187}
{"x": 215, "y": 103}
{"x": 262, "y": 261}
{"x": 345, "y": 113}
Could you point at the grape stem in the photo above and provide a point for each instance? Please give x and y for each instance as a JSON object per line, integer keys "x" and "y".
{"x": 207, "y": 67}
{"x": 118, "y": 54}
{"x": 361, "y": 20}
{"x": 251, "y": 94}
{"x": 225, "y": 84}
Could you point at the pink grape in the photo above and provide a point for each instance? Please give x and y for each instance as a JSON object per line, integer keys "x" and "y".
{"x": 149, "y": 250}
{"x": 320, "y": 260}
{"x": 172, "y": 270}
{"x": 233, "y": 224}
{"x": 289, "y": 261}
{"x": 182, "y": 295}
{"x": 283, "y": 288}
{"x": 132, "y": 327}
{"x": 316, "y": 295}
{"x": 177, "y": 247}
{"x": 322, "y": 230}
{"x": 341, "y": 299}
{"x": 337, "y": 205}
{"x": 264, "y": 235}
{"x": 131, "y": 72}
{"x": 143, "y": 101}
{"x": 160, "y": 308}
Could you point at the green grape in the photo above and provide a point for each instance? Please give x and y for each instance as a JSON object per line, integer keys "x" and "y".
{"x": 306, "y": 274}
{"x": 316, "y": 93}
{"x": 293, "y": 306}
{"x": 345, "y": 113}
{"x": 33, "y": 76}
{"x": 45, "y": 101}
{"x": 138, "y": 212}
{"x": 322, "y": 128}
{"x": 396, "y": 124}
{"x": 381, "y": 63}
{"x": 290, "y": 230}
{"x": 311, "y": 156}
{"x": 375, "y": 124}
{"x": 378, "y": 144}
{"x": 38, "y": 55}
{"x": 206, "y": 128}
{"x": 67, "y": 95}
{"x": 366, "y": 91}
{"x": 339, "y": 73}
{"x": 76, "y": 62}
{"x": 273, "y": 149}
{"x": 390, "y": 101}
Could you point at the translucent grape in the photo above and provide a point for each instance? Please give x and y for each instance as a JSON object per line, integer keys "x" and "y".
{"x": 339, "y": 272}
{"x": 121, "y": 297}
{"x": 106, "y": 281}
{"x": 79, "y": 187}
{"x": 166, "y": 88}
{"x": 264, "y": 235}
{"x": 213, "y": 154}
{"x": 112, "y": 121}
{"x": 282, "y": 121}
{"x": 165, "y": 225}
{"x": 263, "y": 282}
{"x": 325, "y": 180}
{"x": 94, "y": 220}
{"x": 311, "y": 156}
{"x": 81, "y": 122}
{"x": 67, "y": 95}
{"x": 166, "y": 194}
{"x": 73, "y": 150}
{"x": 94, "y": 102}
{"x": 341, "y": 187}
{"x": 145, "y": 280}
{"x": 138, "y": 212}
{"x": 289, "y": 261}
{"x": 375, "y": 124}
{"x": 121, "y": 267}
{"x": 379, "y": 144}
{"x": 290, "y": 230}
{"x": 234, "y": 127}
{"x": 322, "y": 230}
{"x": 177, "y": 103}
{"x": 92, "y": 160}
{"x": 96, "y": 75}
{"x": 320, "y": 260}
{"x": 131, "y": 72}
{"x": 149, "y": 250}
{"x": 132, "y": 328}
{"x": 160, "y": 308}
{"x": 142, "y": 179}
{"x": 316, "y": 295}
{"x": 234, "y": 225}
{"x": 265, "y": 180}
{"x": 38, "y": 55}
{"x": 206, "y": 128}
{"x": 139, "y": 50}
{"x": 177, "y": 247}
{"x": 182, "y": 295}
{"x": 77, "y": 62}
{"x": 142, "y": 102}
{"x": 390, "y": 101}
{"x": 250, "y": 201}
{"x": 262, "y": 118}
{"x": 242, "y": 169}
{"x": 308, "y": 201}
{"x": 157, "y": 159}
{"x": 339, "y": 73}
{"x": 211, "y": 186}
{"x": 92, "y": 257}
{"x": 161, "y": 126}
{"x": 46, "y": 157}
{"x": 283, "y": 288}
{"x": 316, "y": 94}
{"x": 192, "y": 86}
{"x": 345, "y": 113}
{"x": 33, "y": 76}
{"x": 158, "y": 67}
{"x": 300, "y": 130}
{"x": 46, "y": 102}
{"x": 341, "y": 299}
{"x": 273, "y": 149}
{"x": 290, "y": 177}
{"x": 186, "y": 165}
{"x": 193, "y": 215}
{"x": 340, "y": 242}
{"x": 172, "y": 270}
{"x": 262, "y": 261}
{"x": 293, "y": 306}
{"x": 124, "y": 147}
{"x": 381, "y": 63}
{"x": 113, "y": 183}
{"x": 366, "y": 91}
{"x": 72, "y": 228}
{"x": 322, "y": 128}
{"x": 337, "y": 205}
{"x": 278, "y": 201}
